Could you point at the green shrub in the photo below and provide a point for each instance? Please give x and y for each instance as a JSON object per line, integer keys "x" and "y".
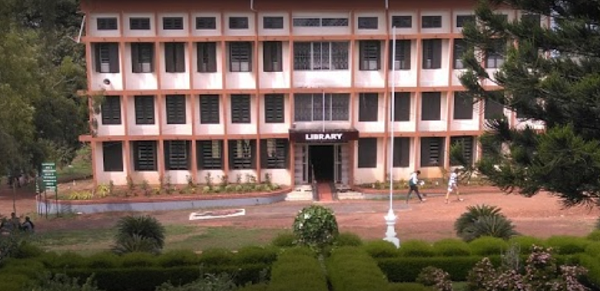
{"x": 28, "y": 267}
{"x": 380, "y": 249}
{"x": 348, "y": 239}
{"x": 221, "y": 282}
{"x": 48, "y": 259}
{"x": 284, "y": 240}
{"x": 315, "y": 226}
{"x": 486, "y": 246}
{"x": 301, "y": 251}
{"x": 353, "y": 269}
{"x": 408, "y": 287}
{"x": 61, "y": 282}
{"x": 175, "y": 258}
{"x": 593, "y": 249}
{"x": 216, "y": 256}
{"x": 103, "y": 260}
{"x": 565, "y": 245}
{"x": 13, "y": 282}
{"x": 416, "y": 248}
{"x": 65, "y": 260}
{"x": 407, "y": 269}
{"x": 435, "y": 278}
{"x": 296, "y": 272}
{"x": 483, "y": 220}
{"x": 592, "y": 264}
{"x": 139, "y": 234}
{"x": 524, "y": 243}
{"x": 451, "y": 247}
{"x": 254, "y": 287}
{"x": 27, "y": 250}
{"x": 138, "y": 260}
{"x": 256, "y": 254}
{"x": 594, "y": 235}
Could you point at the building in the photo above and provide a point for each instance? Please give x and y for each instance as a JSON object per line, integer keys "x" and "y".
{"x": 279, "y": 87}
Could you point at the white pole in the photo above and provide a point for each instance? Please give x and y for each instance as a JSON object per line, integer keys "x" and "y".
{"x": 390, "y": 218}
{"x": 323, "y": 122}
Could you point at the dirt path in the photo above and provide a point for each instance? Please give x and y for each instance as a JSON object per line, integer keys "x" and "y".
{"x": 540, "y": 216}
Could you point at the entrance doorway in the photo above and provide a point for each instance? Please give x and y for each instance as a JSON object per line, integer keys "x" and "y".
{"x": 322, "y": 159}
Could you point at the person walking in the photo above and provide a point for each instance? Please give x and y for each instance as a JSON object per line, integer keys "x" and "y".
{"x": 453, "y": 185}
{"x": 413, "y": 184}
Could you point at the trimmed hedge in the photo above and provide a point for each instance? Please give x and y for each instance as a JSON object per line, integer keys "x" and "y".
{"x": 488, "y": 246}
{"x": 295, "y": 271}
{"x": 565, "y": 245}
{"x": 348, "y": 239}
{"x": 593, "y": 266}
{"x": 284, "y": 240}
{"x": 352, "y": 269}
{"x": 525, "y": 243}
{"x": 380, "y": 249}
{"x": 256, "y": 255}
{"x": 416, "y": 248}
{"x": 408, "y": 287}
{"x": 177, "y": 258}
{"x": 594, "y": 235}
{"x": 451, "y": 247}
{"x": 406, "y": 269}
{"x": 593, "y": 249}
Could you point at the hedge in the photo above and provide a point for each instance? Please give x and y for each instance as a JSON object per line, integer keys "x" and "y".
{"x": 406, "y": 269}
{"x": 352, "y": 269}
{"x": 297, "y": 271}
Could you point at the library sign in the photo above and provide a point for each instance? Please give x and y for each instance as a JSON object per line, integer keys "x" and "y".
{"x": 329, "y": 136}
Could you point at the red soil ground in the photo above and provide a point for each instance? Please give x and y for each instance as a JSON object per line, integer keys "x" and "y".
{"x": 540, "y": 216}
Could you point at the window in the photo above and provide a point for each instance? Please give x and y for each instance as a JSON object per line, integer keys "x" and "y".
{"x": 368, "y": 106}
{"x": 467, "y": 148}
{"x": 401, "y": 152}
{"x": 431, "y": 107}
{"x": 207, "y": 23}
{"x": 317, "y": 22}
{"x": 274, "y": 108}
{"x": 309, "y": 107}
{"x": 460, "y": 48}
{"x": 432, "y": 151}
{"x": 175, "y": 105}
{"x": 494, "y": 57}
{"x": 240, "y": 108}
{"x": 172, "y": 23}
{"x": 368, "y": 22}
{"x": 493, "y": 110}
{"x": 274, "y": 153}
{"x": 461, "y": 20}
{"x": 240, "y": 56}
{"x": 401, "y": 61}
{"x": 144, "y": 109}
{"x": 207, "y": 57}
{"x": 139, "y": 23}
{"x": 531, "y": 20}
{"x": 272, "y": 57}
{"x": 273, "y": 22}
{"x": 142, "y": 57}
{"x": 177, "y": 155}
{"x": 401, "y": 106}
{"x": 431, "y": 21}
{"x": 432, "y": 53}
{"x": 402, "y": 21}
{"x": 238, "y": 22}
{"x": 209, "y": 109}
{"x": 209, "y": 154}
{"x": 107, "y": 57}
{"x": 111, "y": 110}
{"x": 463, "y": 106}
{"x": 175, "y": 57}
{"x": 367, "y": 152}
{"x": 144, "y": 155}
{"x": 112, "y": 156}
{"x": 108, "y": 23}
{"x": 370, "y": 55}
{"x": 241, "y": 154}
{"x": 316, "y": 56}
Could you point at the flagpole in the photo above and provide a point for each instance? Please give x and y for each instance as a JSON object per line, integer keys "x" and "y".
{"x": 390, "y": 218}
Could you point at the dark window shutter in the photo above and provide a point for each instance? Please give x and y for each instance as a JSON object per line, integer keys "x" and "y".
{"x": 114, "y": 57}
{"x": 263, "y": 154}
{"x": 463, "y": 106}
{"x": 180, "y": 57}
{"x": 144, "y": 155}
{"x": 231, "y": 151}
{"x": 209, "y": 109}
{"x": 240, "y": 108}
{"x": 370, "y": 51}
{"x": 431, "y": 106}
{"x": 207, "y": 57}
{"x": 401, "y": 106}
{"x": 207, "y": 158}
{"x": 493, "y": 110}
{"x": 367, "y": 152}
{"x": 175, "y": 105}
{"x": 112, "y": 156}
{"x": 432, "y": 151}
{"x": 401, "y": 152}
{"x": 437, "y": 54}
{"x": 169, "y": 57}
{"x": 274, "y": 108}
{"x": 135, "y": 58}
{"x": 111, "y": 110}
{"x": 144, "y": 109}
{"x": 467, "y": 148}
{"x": 272, "y": 56}
{"x": 368, "y": 107}
{"x": 253, "y": 155}
{"x": 97, "y": 57}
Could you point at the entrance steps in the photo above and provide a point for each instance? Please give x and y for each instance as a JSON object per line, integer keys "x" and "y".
{"x": 325, "y": 192}
{"x": 304, "y": 193}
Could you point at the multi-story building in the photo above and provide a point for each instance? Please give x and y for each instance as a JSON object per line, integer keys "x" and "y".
{"x": 280, "y": 87}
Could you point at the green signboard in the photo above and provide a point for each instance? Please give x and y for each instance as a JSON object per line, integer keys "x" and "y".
{"x": 49, "y": 176}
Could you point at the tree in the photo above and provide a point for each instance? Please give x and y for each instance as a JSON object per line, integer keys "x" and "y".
{"x": 549, "y": 75}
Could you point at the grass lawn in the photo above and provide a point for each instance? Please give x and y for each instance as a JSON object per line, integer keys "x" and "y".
{"x": 178, "y": 237}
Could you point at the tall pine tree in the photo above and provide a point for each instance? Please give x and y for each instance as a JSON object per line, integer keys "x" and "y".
{"x": 550, "y": 75}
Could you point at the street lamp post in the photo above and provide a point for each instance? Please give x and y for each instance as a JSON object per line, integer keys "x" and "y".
{"x": 390, "y": 218}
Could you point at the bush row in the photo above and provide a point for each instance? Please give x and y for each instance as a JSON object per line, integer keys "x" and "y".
{"x": 297, "y": 269}
{"x": 352, "y": 269}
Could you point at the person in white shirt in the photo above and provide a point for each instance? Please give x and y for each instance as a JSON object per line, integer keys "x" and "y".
{"x": 413, "y": 184}
{"x": 453, "y": 185}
